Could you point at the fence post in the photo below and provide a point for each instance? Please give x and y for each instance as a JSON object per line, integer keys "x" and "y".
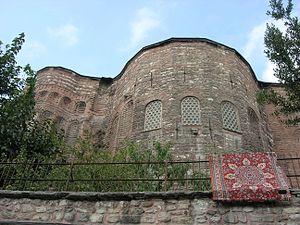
{"x": 70, "y": 176}
{"x": 166, "y": 174}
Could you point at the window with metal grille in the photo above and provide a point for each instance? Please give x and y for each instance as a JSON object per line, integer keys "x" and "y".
{"x": 229, "y": 116}
{"x": 80, "y": 107}
{"x": 190, "y": 111}
{"x": 153, "y": 115}
{"x": 65, "y": 101}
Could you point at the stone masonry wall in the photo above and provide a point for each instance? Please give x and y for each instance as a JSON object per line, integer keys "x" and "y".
{"x": 210, "y": 73}
{"x": 114, "y": 109}
{"x": 140, "y": 208}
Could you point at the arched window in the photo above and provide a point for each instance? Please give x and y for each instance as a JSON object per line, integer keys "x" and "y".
{"x": 190, "y": 111}
{"x": 80, "y": 107}
{"x": 46, "y": 115}
{"x": 65, "y": 101}
{"x": 43, "y": 94}
{"x": 73, "y": 132}
{"x": 230, "y": 116}
{"x": 53, "y": 96}
{"x": 153, "y": 115}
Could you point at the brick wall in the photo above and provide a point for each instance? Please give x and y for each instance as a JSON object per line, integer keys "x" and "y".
{"x": 167, "y": 72}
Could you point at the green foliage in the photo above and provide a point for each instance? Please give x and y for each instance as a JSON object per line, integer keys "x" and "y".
{"x": 84, "y": 168}
{"x": 11, "y": 84}
{"x": 19, "y": 131}
{"x": 283, "y": 49}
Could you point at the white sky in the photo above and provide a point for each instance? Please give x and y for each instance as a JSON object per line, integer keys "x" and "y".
{"x": 98, "y": 37}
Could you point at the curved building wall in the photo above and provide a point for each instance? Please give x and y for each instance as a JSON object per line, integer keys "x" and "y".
{"x": 69, "y": 100}
{"x": 196, "y": 94}
{"x": 209, "y": 73}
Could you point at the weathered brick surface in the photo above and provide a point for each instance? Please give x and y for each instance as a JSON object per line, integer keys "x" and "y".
{"x": 143, "y": 211}
{"x": 168, "y": 72}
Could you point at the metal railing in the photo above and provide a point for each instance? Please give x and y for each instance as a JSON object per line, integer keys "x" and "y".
{"x": 105, "y": 177}
{"x": 290, "y": 163}
{"x": 160, "y": 176}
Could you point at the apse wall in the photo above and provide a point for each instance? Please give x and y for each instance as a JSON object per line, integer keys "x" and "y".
{"x": 196, "y": 94}
{"x": 68, "y": 99}
{"x": 185, "y": 92}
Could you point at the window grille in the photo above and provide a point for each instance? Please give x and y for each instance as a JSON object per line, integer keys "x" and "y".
{"x": 229, "y": 117}
{"x": 190, "y": 111}
{"x": 153, "y": 115}
{"x": 80, "y": 107}
{"x": 65, "y": 101}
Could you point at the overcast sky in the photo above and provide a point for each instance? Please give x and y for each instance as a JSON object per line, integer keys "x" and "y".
{"x": 98, "y": 37}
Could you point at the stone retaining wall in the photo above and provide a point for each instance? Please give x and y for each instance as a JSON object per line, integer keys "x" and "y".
{"x": 140, "y": 208}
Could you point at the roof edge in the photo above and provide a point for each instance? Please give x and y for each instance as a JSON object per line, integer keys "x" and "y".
{"x": 182, "y": 39}
{"x": 68, "y": 70}
{"x": 165, "y": 42}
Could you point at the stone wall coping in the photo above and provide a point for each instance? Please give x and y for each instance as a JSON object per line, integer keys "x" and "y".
{"x": 105, "y": 196}
{"x": 110, "y": 196}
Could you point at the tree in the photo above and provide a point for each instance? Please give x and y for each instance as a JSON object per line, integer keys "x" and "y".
{"x": 19, "y": 131}
{"x": 283, "y": 49}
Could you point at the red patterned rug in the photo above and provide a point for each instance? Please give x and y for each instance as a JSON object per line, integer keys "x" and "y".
{"x": 247, "y": 177}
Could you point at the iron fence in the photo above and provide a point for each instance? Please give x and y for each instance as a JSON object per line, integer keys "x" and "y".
{"x": 160, "y": 176}
{"x": 290, "y": 163}
{"x": 105, "y": 177}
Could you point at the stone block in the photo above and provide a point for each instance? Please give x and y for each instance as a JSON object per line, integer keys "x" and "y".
{"x": 27, "y": 208}
{"x": 7, "y": 215}
{"x": 201, "y": 219}
{"x": 148, "y": 219}
{"x": 41, "y": 209}
{"x": 41, "y": 217}
{"x": 242, "y": 217}
{"x": 231, "y": 218}
{"x": 96, "y": 218}
{"x": 113, "y": 218}
{"x": 130, "y": 219}
{"x": 83, "y": 217}
{"x": 69, "y": 216}
{"x": 291, "y": 210}
{"x": 164, "y": 217}
{"x": 295, "y": 217}
{"x": 248, "y": 209}
{"x": 147, "y": 204}
{"x": 215, "y": 219}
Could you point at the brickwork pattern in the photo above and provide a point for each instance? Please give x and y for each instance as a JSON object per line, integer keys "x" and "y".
{"x": 168, "y": 72}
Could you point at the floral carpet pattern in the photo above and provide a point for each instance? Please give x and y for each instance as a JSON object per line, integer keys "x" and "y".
{"x": 247, "y": 177}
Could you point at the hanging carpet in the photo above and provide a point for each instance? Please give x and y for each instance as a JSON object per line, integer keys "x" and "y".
{"x": 247, "y": 177}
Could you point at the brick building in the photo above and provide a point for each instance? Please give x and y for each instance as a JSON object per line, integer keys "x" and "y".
{"x": 195, "y": 93}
